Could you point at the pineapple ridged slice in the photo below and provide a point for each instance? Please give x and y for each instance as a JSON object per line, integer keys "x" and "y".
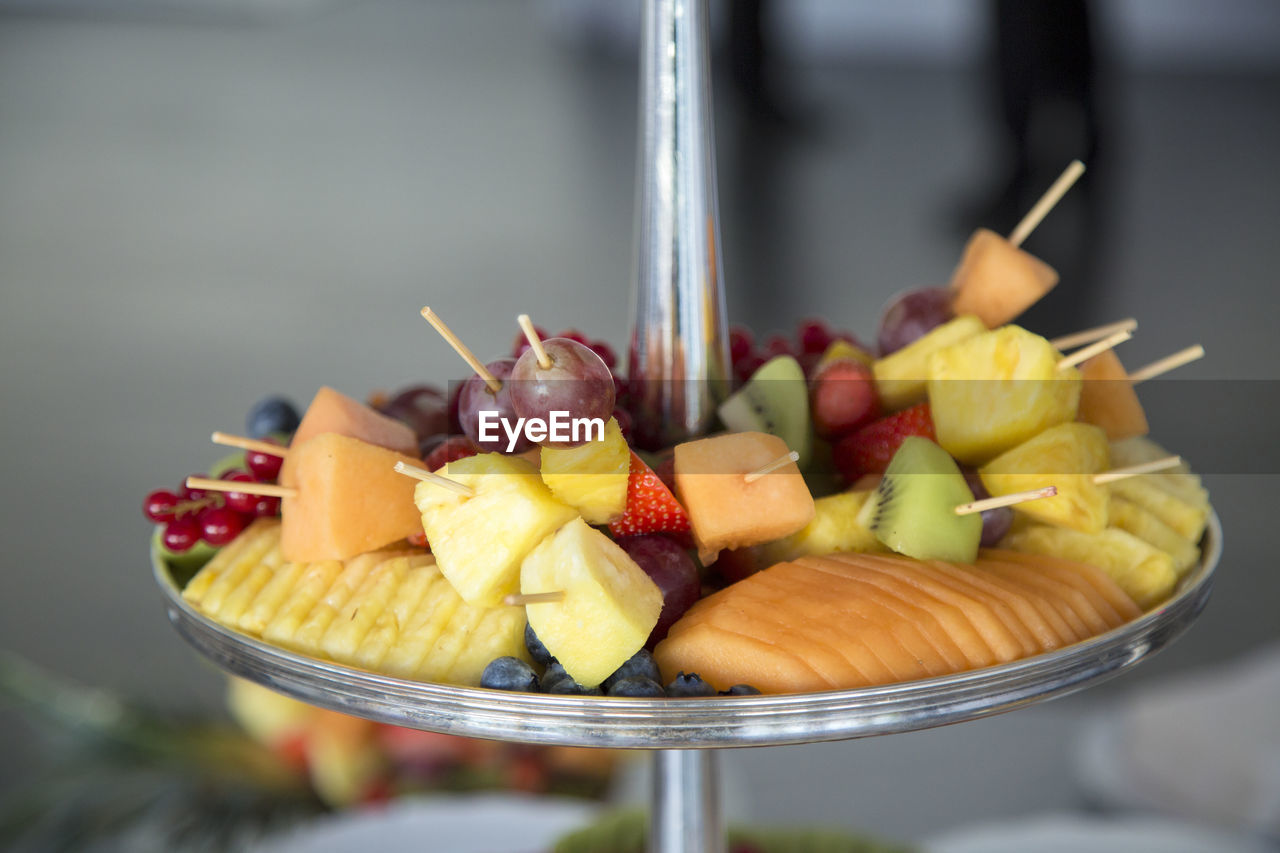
{"x": 1180, "y": 481}
{"x": 1065, "y": 456}
{"x": 352, "y": 623}
{"x": 1141, "y": 570}
{"x": 1186, "y": 518}
{"x": 423, "y": 627}
{"x": 449, "y": 645}
{"x": 272, "y": 597}
{"x": 394, "y": 618}
{"x": 834, "y": 529}
{"x": 1130, "y": 517}
{"x": 310, "y": 633}
{"x": 246, "y": 549}
{"x": 499, "y": 634}
{"x": 315, "y": 580}
{"x": 591, "y": 478}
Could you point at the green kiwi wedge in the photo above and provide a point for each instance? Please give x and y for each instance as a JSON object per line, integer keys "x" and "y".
{"x": 776, "y": 401}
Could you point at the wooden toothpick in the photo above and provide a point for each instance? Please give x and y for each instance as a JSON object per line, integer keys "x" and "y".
{"x": 1042, "y": 207}
{"x": 1137, "y": 470}
{"x": 1006, "y": 500}
{"x": 1088, "y": 336}
{"x": 268, "y": 489}
{"x": 461, "y": 349}
{"x": 1090, "y": 351}
{"x": 1169, "y": 362}
{"x": 780, "y": 462}
{"x": 526, "y": 326}
{"x": 228, "y": 440}
{"x": 521, "y": 599}
{"x": 435, "y": 479}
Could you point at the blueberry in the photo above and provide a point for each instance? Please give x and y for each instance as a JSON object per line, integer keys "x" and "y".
{"x": 570, "y": 687}
{"x": 553, "y": 673}
{"x": 689, "y": 685}
{"x": 508, "y": 673}
{"x": 639, "y": 665}
{"x": 535, "y": 647}
{"x": 740, "y": 690}
{"x": 636, "y": 687}
{"x": 271, "y": 414}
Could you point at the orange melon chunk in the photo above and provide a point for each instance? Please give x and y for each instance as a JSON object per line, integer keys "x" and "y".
{"x": 723, "y": 658}
{"x": 331, "y": 411}
{"x": 1107, "y": 398}
{"x": 349, "y": 499}
{"x": 1056, "y": 627}
{"x": 998, "y": 281}
{"x": 1017, "y": 604}
{"x": 1076, "y": 607}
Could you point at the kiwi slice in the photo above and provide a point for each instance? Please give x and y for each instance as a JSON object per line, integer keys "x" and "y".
{"x": 776, "y": 401}
{"x": 914, "y": 510}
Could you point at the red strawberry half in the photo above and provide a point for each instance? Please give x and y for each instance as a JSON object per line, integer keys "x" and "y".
{"x": 651, "y": 508}
{"x": 869, "y": 450}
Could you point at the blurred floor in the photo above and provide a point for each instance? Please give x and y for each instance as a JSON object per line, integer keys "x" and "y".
{"x": 192, "y": 216}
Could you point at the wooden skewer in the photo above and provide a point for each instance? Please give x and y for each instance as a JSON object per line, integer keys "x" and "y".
{"x": 780, "y": 462}
{"x": 268, "y": 489}
{"x": 1006, "y": 500}
{"x": 435, "y": 479}
{"x": 1169, "y": 362}
{"x": 1090, "y": 351}
{"x": 228, "y": 440}
{"x": 524, "y": 598}
{"x": 1042, "y": 207}
{"x": 1097, "y": 333}
{"x": 526, "y": 326}
{"x": 467, "y": 355}
{"x": 1136, "y": 470}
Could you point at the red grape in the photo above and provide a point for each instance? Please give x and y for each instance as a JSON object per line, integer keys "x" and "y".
{"x": 814, "y": 336}
{"x": 569, "y": 334}
{"x": 180, "y": 534}
{"x": 995, "y": 522}
{"x": 606, "y": 353}
{"x": 476, "y": 397}
{"x": 239, "y": 501}
{"x": 741, "y": 343}
{"x": 625, "y": 422}
{"x": 158, "y": 506}
{"x": 458, "y": 447}
{"x": 521, "y": 343}
{"x": 747, "y": 366}
{"x": 187, "y": 493}
{"x": 266, "y": 506}
{"x": 776, "y": 345}
{"x": 673, "y": 570}
{"x": 422, "y": 408}
{"x": 578, "y": 382}
{"x": 265, "y": 467}
{"x": 911, "y": 315}
{"x": 220, "y": 524}
{"x": 843, "y": 398}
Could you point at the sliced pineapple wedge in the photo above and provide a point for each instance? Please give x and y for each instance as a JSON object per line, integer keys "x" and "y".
{"x": 1065, "y": 456}
{"x": 1132, "y": 518}
{"x": 609, "y": 606}
{"x": 1138, "y": 568}
{"x": 901, "y": 376}
{"x": 1186, "y": 517}
{"x": 835, "y": 528}
{"x": 591, "y": 478}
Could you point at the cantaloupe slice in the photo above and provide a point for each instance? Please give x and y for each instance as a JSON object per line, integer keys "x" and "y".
{"x": 1019, "y": 603}
{"x": 1021, "y": 634}
{"x": 723, "y": 659}
{"x": 1111, "y": 601}
{"x": 726, "y": 511}
{"x": 1072, "y": 604}
{"x": 997, "y": 281}
{"x": 1060, "y": 630}
{"x": 332, "y": 411}
{"x": 1107, "y": 398}
{"x": 349, "y": 499}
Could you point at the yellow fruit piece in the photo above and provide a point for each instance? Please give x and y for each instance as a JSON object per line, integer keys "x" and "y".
{"x": 839, "y": 350}
{"x": 479, "y": 540}
{"x": 609, "y": 608}
{"x": 1107, "y": 398}
{"x": 1132, "y": 518}
{"x": 994, "y": 391}
{"x": 266, "y": 715}
{"x": 352, "y": 622}
{"x": 1142, "y": 571}
{"x": 591, "y": 478}
{"x": 998, "y": 281}
{"x": 1187, "y": 518}
{"x": 269, "y": 601}
{"x": 834, "y": 529}
{"x": 423, "y": 628}
{"x": 901, "y": 377}
{"x": 235, "y": 573}
{"x": 1066, "y": 456}
{"x": 386, "y": 629}
{"x": 305, "y": 636}
{"x": 315, "y": 580}
{"x": 453, "y": 638}
{"x": 1180, "y": 480}
{"x": 246, "y": 549}
{"x": 500, "y": 633}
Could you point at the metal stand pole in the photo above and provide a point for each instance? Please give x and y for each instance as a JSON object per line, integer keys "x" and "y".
{"x": 686, "y": 803}
{"x": 678, "y": 359}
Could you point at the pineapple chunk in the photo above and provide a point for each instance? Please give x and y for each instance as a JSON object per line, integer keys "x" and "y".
{"x": 1107, "y": 398}
{"x": 996, "y": 390}
{"x": 834, "y": 529}
{"x": 998, "y": 281}
{"x": 610, "y": 605}
{"x": 1143, "y": 572}
{"x": 315, "y": 581}
{"x": 243, "y": 551}
{"x": 1130, "y": 517}
{"x": 1180, "y": 480}
{"x": 591, "y": 478}
{"x": 1066, "y": 456}
{"x": 307, "y": 635}
{"x": 841, "y": 349}
{"x": 479, "y": 540}
{"x": 386, "y": 629}
{"x": 352, "y": 622}
{"x": 1187, "y": 518}
{"x": 500, "y": 633}
{"x": 902, "y": 376}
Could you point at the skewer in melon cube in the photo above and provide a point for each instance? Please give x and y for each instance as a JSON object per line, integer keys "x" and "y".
{"x": 331, "y": 411}
{"x": 1107, "y": 398}
{"x": 728, "y": 509}
{"x": 479, "y": 539}
{"x": 1066, "y": 456}
{"x": 347, "y": 499}
{"x": 608, "y": 608}
{"x": 994, "y": 391}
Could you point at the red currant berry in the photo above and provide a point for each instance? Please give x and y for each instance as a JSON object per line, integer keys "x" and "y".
{"x": 189, "y": 494}
{"x": 814, "y": 336}
{"x": 776, "y": 345}
{"x": 266, "y": 506}
{"x": 180, "y": 535}
{"x": 606, "y": 353}
{"x": 573, "y": 335}
{"x": 220, "y": 524}
{"x": 265, "y": 467}
{"x": 158, "y": 506}
{"x": 741, "y": 343}
{"x": 239, "y": 501}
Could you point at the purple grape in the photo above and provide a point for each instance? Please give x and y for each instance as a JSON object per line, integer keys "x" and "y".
{"x": 995, "y": 522}
{"x": 911, "y": 315}
{"x": 476, "y": 397}
{"x": 673, "y": 570}
{"x": 578, "y": 383}
{"x": 422, "y": 408}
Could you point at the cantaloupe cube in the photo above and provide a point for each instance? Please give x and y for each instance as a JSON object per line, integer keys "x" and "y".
{"x": 1066, "y": 456}
{"x": 994, "y": 391}
{"x": 725, "y": 511}
{"x": 1107, "y": 398}
{"x": 349, "y": 499}
{"x": 479, "y": 540}
{"x": 902, "y": 376}
{"x": 331, "y": 411}
{"x": 998, "y": 281}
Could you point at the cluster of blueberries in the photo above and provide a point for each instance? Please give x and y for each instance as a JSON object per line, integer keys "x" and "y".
{"x": 638, "y": 678}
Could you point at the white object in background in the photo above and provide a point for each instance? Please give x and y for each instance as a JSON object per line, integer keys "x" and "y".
{"x": 1076, "y": 833}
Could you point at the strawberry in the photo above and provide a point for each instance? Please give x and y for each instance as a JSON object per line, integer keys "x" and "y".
{"x": 869, "y": 450}
{"x": 651, "y": 508}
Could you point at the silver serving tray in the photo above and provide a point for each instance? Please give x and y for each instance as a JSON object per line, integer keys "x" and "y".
{"x": 736, "y": 721}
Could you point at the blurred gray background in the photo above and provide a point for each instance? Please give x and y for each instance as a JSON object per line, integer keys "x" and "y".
{"x": 204, "y": 203}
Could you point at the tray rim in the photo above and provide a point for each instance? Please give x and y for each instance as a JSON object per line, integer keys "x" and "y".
{"x": 713, "y": 722}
